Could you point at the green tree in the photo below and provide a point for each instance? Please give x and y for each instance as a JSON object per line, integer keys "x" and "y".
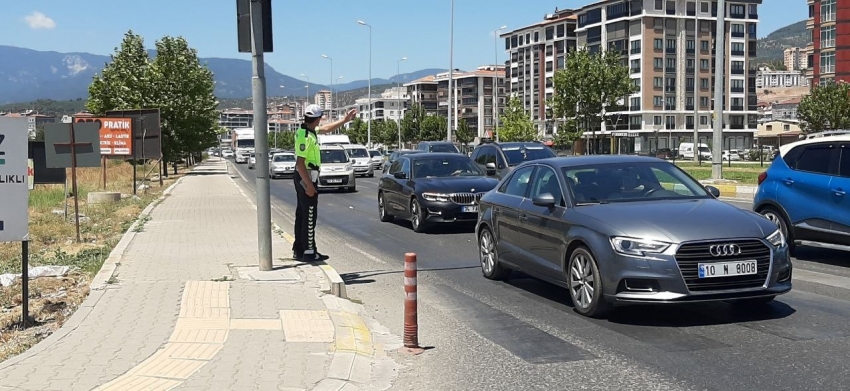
{"x": 434, "y": 128}
{"x": 124, "y": 82}
{"x": 411, "y": 124}
{"x": 464, "y": 134}
{"x": 357, "y": 131}
{"x": 387, "y": 133}
{"x": 591, "y": 86}
{"x": 285, "y": 139}
{"x": 516, "y": 124}
{"x": 183, "y": 90}
{"x": 827, "y": 107}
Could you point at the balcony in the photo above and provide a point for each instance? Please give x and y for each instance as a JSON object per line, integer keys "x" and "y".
{"x": 689, "y": 107}
{"x": 690, "y": 70}
{"x": 671, "y": 11}
{"x": 737, "y": 108}
{"x": 736, "y": 34}
{"x": 689, "y": 89}
{"x": 634, "y": 108}
{"x": 737, "y": 52}
{"x": 690, "y": 51}
{"x": 737, "y": 126}
{"x": 670, "y": 89}
{"x": 670, "y": 50}
{"x": 738, "y": 71}
{"x": 737, "y": 89}
{"x": 635, "y": 69}
{"x": 634, "y": 126}
{"x": 670, "y": 69}
{"x": 689, "y": 126}
{"x": 735, "y": 15}
{"x": 692, "y": 12}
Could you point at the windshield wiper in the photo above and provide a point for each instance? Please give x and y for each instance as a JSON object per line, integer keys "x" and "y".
{"x": 593, "y": 201}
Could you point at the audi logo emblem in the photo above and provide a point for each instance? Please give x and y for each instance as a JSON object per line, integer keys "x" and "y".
{"x": 724, "y": 250}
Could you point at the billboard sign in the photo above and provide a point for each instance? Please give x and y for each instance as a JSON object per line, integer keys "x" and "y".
{"x": 14, "y": 209}
{"x": 116, "y": 135}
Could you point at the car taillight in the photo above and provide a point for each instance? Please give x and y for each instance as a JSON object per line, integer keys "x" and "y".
{"x": 762, "y": 177}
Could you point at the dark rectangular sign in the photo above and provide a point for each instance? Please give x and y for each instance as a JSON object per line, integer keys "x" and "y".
{"x": 43, "y": 174}
{"x": 57, "y": 137}
{"x": 147, "y": 133}
{"x": 243, "y": 25}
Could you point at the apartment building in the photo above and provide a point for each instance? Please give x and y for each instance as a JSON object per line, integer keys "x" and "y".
{"x": 535, "y": 52}
{"x": 474, "y": 94}
{"x": 281, "y": 117}
{"x": 324, "y": 99}
{"x": 795, "y": 59}
{"x": 826, "y": 36}
{"x": 388, "y": 105}
{"x": 669, "y": 47}
{"x": 767, "y": 78}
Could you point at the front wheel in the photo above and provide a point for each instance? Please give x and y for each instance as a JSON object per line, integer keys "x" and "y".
{"x": 489, "y": 256}
{"x": 585, "y": 284}
{"x": 382, "y": 209}
{"x": 778, "y": 218}
{"x": 417, "y": 217}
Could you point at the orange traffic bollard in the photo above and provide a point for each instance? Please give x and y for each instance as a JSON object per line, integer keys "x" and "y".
{"x": 411, "y": 321}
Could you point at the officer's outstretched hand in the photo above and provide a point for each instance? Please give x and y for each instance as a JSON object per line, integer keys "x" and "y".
{"x": 350, "y": 115}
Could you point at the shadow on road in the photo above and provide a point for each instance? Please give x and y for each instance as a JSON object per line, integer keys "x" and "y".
{"x": 362, "y": 277}
{"x": 662, "y": 315}
{"x": 822, "y": 256}
{"x": 440, "y": 229}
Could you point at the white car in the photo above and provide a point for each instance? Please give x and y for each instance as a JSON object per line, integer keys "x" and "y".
{"x": 336, "y": 171}
{"x": 377, "y": 159}
{"x": 282, "y": 164}
{"x": 227, "y": 154}
{"x": 360, "y": 159}
{"x": 252, "y": 161}
{"x": 732, "y": 155}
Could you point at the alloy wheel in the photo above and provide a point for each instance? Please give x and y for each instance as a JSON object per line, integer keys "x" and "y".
{"x": 582, "y": 283}
{"x": 487, "y": 252}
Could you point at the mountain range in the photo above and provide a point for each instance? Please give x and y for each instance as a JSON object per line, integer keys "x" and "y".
{"x": 27, "y": 75}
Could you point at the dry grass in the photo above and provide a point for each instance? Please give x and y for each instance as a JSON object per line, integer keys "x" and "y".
{"x": 53, "y": 242}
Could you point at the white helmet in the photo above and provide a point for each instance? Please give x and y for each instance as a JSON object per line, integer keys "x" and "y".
{"x": 313, "y": 111}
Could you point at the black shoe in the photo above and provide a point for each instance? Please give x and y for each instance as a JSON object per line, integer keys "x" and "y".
{"x": 314, "y": 257}
{"x": 296, "y": 255}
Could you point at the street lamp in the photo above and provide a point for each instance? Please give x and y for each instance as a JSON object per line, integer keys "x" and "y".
{"x": 398, "y": 96}
{"x": 495, "y": 80}
{"x": 369, "y": 124}
{"x": 332, "y": 86}
{"x": 308, "y": 87}
{"x": 451, "y": 72}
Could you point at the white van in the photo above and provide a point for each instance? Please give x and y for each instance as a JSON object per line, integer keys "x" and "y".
{"x": 686, "y": 151}
{"x": 330, "y": 139}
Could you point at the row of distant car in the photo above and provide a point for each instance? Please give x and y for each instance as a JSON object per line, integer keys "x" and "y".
{"x": 605, "y": 227}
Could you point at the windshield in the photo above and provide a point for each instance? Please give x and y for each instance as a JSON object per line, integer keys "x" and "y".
{"x": 358, "y": 152}
{"x": 451, "y": 148}
{"x": 245, "y": 143}
{"x": 517, "y": 155}
{"x": 636, "y": 181}
{"x": 334, "y": 156}
{"x": 375, "y": 153}
{"x": 284, "y": 158}
{"x": 445, "y": 167}
{"x": 704, "y": 149}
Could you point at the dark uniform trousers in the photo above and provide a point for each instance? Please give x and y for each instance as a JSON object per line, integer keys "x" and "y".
{"x": 306, "y": 213}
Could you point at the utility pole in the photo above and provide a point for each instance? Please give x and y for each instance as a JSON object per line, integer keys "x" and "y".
{"x": 261, "y": 135}
{"x": 451, "y": 73}
{"x": 696, "y": 90}
{"x": 496, "y": 84}
{"x": 398, "y": 96}
{"x": 719, "y": 79}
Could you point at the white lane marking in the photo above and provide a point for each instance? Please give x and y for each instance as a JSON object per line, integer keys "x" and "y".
{"x": 822, "y": 278}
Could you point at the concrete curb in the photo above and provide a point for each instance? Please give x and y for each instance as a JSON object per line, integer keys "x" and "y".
{"x": 107, "y": 271}
{"x": 96, "y": 288}
{"x": 337, "y": 285}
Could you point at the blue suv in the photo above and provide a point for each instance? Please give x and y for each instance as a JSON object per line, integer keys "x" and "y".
{"x": 805, "y": 192}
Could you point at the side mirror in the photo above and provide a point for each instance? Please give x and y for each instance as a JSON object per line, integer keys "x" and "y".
{"x": 545, "y": 199}
{"x": 491, "y": 169}
{"x": 715, "y": 192}
{"x": 399, "y": 175}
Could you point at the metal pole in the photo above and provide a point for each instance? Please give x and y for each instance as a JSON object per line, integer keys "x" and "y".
{"x": 719, "y": 78}
{"x": 398, "y": 96}
{"x": 451, "y": 73}
{"x": 25, "y": 283}
{"x": 496, "y": 84}
{"x": 258, "y": 87}
{"x": 369, "y": 124}
{"x": 696, "y": 91}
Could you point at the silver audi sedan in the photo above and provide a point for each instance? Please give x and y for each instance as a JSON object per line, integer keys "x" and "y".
{"x": 628, "y": 229}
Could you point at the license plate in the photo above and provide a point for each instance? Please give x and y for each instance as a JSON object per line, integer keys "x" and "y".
{"x": 727, "y": 269}
{"x": 334, "y": 180}
{"x": 469, "y": 209}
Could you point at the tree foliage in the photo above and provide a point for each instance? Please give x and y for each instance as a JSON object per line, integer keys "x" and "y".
{"x": 284, "y": 139}
{"x": 174, "y": 81}
{"x": 411, "y": 124}
{"x": 434, "y": 128}
{"x": 516, "y": 124}
{"x": 357, "y": 131}
{"x": 591, "y": 86}
{"x": 827, "y": 107}
{"x": 464, "y": 133}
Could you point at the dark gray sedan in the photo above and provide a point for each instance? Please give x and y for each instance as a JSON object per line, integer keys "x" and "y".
{"x": 628, "y": 229}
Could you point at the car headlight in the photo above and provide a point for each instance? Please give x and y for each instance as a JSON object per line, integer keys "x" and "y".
{"x": 637, "y": 247}
{"x": 777, "y": 239}
{"x": 348, "y": 167}
{"x": 438, "y": 197}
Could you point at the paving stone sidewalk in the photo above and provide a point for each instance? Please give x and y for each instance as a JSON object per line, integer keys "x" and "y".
{"x": 191, "y": 311}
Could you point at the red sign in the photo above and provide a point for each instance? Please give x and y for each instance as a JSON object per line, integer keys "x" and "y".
{"x": 116, "y": 135}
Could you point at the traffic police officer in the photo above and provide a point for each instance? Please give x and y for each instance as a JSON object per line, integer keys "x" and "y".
{"x": 308, "y": 160}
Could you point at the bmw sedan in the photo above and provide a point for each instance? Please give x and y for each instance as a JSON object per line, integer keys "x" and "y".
{"x": 429, "y": 188}
{"x": 628, "y": 229}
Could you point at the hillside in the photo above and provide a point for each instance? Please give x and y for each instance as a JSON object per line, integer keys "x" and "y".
{"x": 770, "y": 48}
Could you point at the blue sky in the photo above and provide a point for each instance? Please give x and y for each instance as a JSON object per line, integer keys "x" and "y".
{"x": 304, "y": 30}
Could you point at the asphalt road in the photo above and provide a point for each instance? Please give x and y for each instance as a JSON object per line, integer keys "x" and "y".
{"x": 524, "y": 334}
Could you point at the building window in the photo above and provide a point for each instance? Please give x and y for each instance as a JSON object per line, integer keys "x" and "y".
{"x": 634, "y": 104}
{"x": 656, "y": 120}
{"x": 658, "y": 63}
{"x": 657, "y": 82}
{"x": 737, "y": 10}
{"x": 703, "y": 7}
{"x": 703, "y": 101}
{"x": 636, "y": 46}
{"x": 704, "y": 46}
{"x": 827, "y": 37}
{"x": 671, "y": 122}
{"x": 635, "y": 120}
{"x": 657, "y": 101}
{"x": 690, "y": 45}
{"x": 659, "y": 5}
{"x": 827, "y": 11}
{"x": 636, "y": 84}
{"x": 671, "y": 45}
{"x": 658, "y": 44}
{"x": 671, "y": 64}
{"x": 703, "y": 64}
{"x": 827, "y": 62}
{"x": 671, "y": 8}
{"x": 703, "y": 120}
{"x": 737, "y": 48}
